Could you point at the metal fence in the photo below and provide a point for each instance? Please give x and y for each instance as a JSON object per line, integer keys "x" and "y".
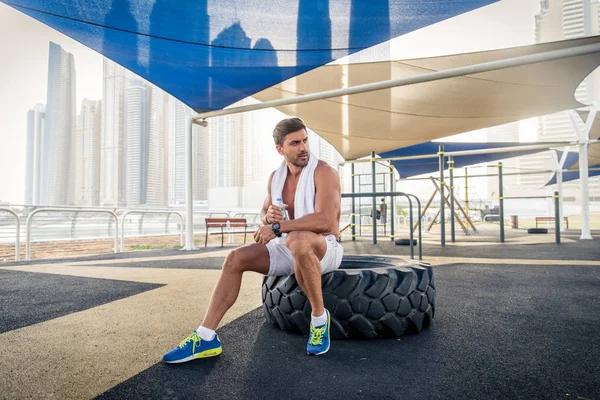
{"x": 58, "y": 223}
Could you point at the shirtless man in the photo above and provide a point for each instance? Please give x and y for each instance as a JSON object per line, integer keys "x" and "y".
{"x": 309, "y": 249}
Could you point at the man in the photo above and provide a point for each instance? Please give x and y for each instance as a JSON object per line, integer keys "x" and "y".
{"x": 382, "y": 212}
{"x": 310, "y": 190}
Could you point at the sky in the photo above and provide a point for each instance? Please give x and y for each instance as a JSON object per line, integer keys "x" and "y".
{"x": 24, "y": 67}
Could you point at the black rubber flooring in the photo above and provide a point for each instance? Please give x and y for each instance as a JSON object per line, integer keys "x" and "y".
{"x": 578, "y": 250}
{"x": 27, "y": 298}
{"x": 500, "y": 332}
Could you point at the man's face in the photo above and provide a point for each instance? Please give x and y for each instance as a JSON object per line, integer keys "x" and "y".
{"x": 295, "y": 148}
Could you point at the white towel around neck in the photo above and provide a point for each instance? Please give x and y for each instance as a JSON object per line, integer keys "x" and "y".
{"x": 304, "y": 200}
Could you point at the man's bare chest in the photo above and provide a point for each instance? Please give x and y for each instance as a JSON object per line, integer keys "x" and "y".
{"x": 288, "y": 195}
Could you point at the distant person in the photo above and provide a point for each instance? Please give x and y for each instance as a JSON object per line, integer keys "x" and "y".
{"x": 310, "y": 190}
{"x": 382, "y": 211}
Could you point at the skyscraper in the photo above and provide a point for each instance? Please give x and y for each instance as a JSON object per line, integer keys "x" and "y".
{"x": 86, "y": 163}
{"x": 35, "y": 133}
{"x": 179, "y": 115}
{"x": 136, "y": 132}
{"x": 113, "y": 140}
{"x": 59, "y": 127}
{"x": 558, "y": 20}
{"x": 158, "y": 148}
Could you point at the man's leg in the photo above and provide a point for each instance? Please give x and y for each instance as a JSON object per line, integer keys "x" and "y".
{"x": 253, "y": 257}
{"x": 308, "y": 249}
{"x": 204, "y": 342}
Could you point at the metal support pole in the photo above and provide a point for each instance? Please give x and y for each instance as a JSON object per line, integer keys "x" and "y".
{"x": 392, "y": 202}
{"x": 557, "y": 220}
{"x": 411, "y": 226}
{"x": 452, "y": 231}
{"x": 374, "y": 211}
{"x": 353, "y": 219}
{"x": 411, "y": 80}
{"x": 411, "y": 233}
{"x": 189, "y": 191}
{"x": 442, "y": 198}
{"x": 584, "y": 138}
{"x": 559, "y": 181}
{"x": 467, "y": 191}
{"x": 501, "y": 201}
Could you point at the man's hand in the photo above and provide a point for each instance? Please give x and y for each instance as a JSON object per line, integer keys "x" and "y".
{"x": 274, "y": 214}
{"x": 264, "y": 234}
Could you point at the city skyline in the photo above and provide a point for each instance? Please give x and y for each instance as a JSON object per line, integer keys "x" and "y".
{"x": 128, "y": 149}
{"x": 394, "y": 49}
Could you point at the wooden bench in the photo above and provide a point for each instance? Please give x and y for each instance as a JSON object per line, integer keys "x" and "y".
{"x": 550, "y": 219}
{"x": 223, "y": 223}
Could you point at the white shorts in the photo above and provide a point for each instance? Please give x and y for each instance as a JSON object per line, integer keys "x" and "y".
{"x": 282, "y": 262}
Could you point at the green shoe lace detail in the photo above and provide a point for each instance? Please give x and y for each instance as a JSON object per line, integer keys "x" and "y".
{"x": 192, "y": 338}
{"x": 316, "y": 335}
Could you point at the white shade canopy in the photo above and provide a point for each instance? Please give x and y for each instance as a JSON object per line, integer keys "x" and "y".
{"x": 389, "y": 119}
{"x": 594, "y": 148}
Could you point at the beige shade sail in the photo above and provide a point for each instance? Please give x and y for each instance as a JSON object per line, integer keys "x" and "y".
{"x": 594, "y": 148}
{"x": 593, "y": 156}
{"x": 595, "y": 132}
{"x": 393, "y": 118}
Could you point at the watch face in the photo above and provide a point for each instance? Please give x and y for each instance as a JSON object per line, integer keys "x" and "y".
{"x": 276, "y": 225}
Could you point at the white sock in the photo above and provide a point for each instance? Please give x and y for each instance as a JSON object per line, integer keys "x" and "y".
{"x": 205, "y": 333}
{"x": 320, "y": 320}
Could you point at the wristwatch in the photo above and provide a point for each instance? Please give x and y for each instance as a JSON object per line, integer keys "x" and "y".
{"x": 276, "y": 230}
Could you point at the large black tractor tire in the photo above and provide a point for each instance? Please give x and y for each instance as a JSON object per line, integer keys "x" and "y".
{"x": 368, "y": 297}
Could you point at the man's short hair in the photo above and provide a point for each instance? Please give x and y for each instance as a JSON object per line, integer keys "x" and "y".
{"x": 285, "y": 127}
{"x": 382, "y": 199}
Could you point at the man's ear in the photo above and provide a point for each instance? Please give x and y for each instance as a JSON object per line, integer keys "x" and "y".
{"x": 279, "y": 149}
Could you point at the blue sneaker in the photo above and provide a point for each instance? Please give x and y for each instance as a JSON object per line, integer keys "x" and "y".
{"x": 193, "y": 347}
{"x": 318, "y": 340}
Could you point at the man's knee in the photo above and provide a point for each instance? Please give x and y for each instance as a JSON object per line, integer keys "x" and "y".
{"x": 299, "y": 241}
{"x": 234, "y": 262}
{"x": 253, "y": 257}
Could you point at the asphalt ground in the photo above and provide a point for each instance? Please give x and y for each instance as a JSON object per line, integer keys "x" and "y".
{"x": 28, "y": 299}
{"x": 522, "y": 324}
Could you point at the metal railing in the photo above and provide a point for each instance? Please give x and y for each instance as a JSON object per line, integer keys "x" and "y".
{"x": 410, "y": 205}
{"x": 75, "y": 210}
{"x": 142, "y": 212}
{"x": 17, "y": 234}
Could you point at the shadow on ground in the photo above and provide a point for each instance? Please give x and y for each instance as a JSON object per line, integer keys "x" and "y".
{"x": 500, "y": 331}
{"x": 28, "y": 298}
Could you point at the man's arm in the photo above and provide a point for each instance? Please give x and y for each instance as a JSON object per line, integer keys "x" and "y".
{"x": 327, "y": 205}
{"x": 267, "y": 203}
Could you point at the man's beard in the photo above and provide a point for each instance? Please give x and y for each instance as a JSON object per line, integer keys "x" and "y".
{"x": 298, "y": 162}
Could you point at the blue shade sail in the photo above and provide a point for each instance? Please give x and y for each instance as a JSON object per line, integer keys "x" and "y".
{"x": 210, "y": 54}
{"x": 573, "y": 175}
{"x": 571, "y": 162}
{"x": 408, "y": 168}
